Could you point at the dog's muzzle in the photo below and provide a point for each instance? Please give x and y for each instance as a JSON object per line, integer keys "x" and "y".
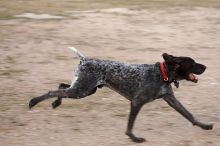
{"x": 193, "y": 78}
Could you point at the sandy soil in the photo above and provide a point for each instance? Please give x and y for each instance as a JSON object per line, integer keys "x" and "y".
{"x": 34, "y": 59}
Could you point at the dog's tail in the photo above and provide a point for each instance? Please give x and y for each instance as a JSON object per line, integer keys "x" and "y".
{"x": 80, "y": 55}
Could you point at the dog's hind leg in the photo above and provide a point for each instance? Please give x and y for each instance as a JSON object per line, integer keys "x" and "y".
{"x": 57, "y": 93}
{"x": 58, "y": 102}
{"x": 135, "y": 108}
{"x": 74, "y": 93}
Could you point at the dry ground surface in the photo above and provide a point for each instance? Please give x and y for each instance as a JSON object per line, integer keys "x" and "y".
{"x": 35, "y": 59}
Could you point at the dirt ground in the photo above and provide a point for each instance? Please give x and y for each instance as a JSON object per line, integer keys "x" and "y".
{"x": 35, "y": 59}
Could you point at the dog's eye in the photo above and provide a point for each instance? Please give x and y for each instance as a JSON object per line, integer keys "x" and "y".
{"x": 176, "y": 66}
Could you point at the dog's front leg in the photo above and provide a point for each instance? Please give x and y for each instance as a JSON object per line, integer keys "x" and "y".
{"x": 135, "y": 108}
{"x": 173, "y": 102}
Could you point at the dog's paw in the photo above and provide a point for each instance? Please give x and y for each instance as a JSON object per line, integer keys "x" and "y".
{"x": 134, "y": 138}
{"x": 207, "y": 126}
{"x": 32, "y": 103}
{"x": 56, "y": 103}
{"x": 138, "y": 139}
{"x": 204, "y": 126}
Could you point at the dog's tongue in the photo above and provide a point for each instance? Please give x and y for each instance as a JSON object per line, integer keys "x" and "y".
{"x": 193, "y": 78}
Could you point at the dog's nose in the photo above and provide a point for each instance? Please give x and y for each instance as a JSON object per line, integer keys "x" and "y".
{"x": 204, "y": 67}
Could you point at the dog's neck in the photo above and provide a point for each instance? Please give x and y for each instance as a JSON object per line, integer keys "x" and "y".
{"x": 163, "y": 72}
{"x": 168, "y": 75}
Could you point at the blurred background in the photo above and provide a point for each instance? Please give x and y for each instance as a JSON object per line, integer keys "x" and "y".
{"x": 35, "y": 34}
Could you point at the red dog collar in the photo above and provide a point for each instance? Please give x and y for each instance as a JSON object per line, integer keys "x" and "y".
{"x": 162, "y": 69}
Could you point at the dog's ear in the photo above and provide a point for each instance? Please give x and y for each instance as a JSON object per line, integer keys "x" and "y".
{"x": 178, "y": 60}
{"x": 170, "y": 61}
{"x": 167, "y": 57}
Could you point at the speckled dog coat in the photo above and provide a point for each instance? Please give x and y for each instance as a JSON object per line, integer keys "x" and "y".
{"x": 134, "y": 81}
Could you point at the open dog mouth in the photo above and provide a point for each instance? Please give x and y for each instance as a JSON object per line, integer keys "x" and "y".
{"x": 193, "y": 78}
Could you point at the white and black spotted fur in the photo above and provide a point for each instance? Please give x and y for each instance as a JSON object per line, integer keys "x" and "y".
{"x": 139, "y": 83}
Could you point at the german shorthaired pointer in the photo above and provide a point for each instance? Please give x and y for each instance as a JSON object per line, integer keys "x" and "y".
{"x": 139, "y": 83}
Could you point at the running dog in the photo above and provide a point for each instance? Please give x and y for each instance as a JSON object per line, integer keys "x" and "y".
{"x": 139, "y": 83}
